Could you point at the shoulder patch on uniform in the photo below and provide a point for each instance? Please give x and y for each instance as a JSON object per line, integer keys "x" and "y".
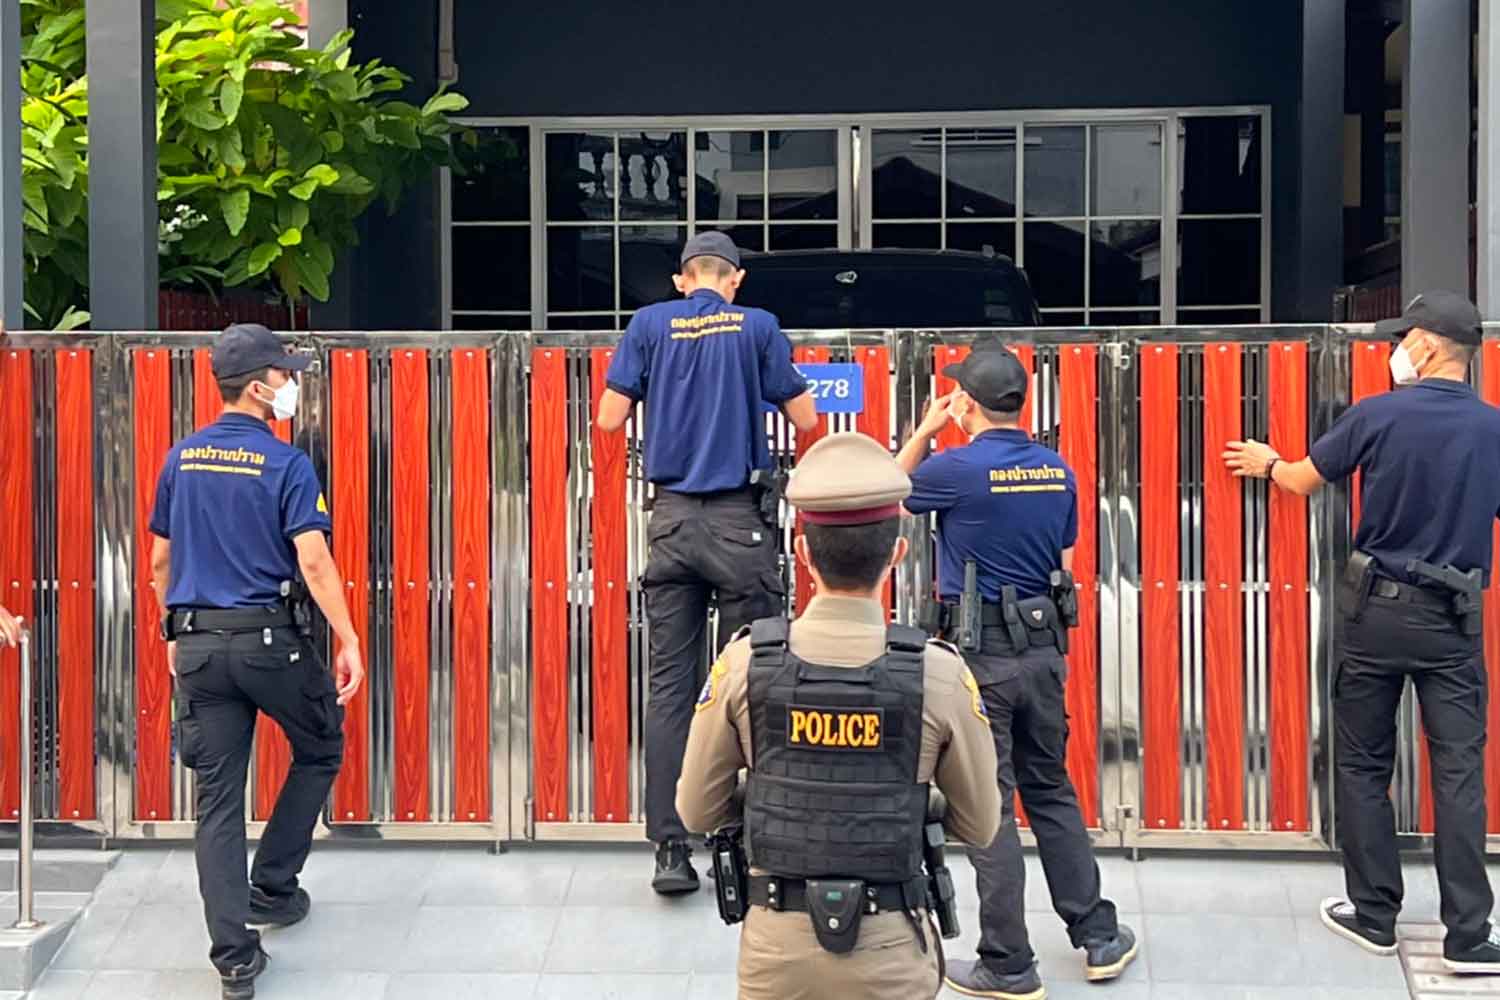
{"x": 976, "y": 700}
{"x": 710, "y": 692}
{"x": 322, "y": 504}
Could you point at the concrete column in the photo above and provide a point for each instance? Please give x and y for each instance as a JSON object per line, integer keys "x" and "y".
{"x": 12, "y": 314}
{"x": 1487, "y": 224}
{"x": 1435, "y": 147}
{"x": 122, "y": 164}
{"x": 326, "y": 18}
{"x": 1320, "y": 229}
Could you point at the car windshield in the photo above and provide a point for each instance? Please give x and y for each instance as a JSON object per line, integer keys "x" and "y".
{"x": 824, "y": 296}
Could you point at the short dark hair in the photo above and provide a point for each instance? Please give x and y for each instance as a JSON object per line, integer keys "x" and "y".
{"x": 1000, "y": 416}
{"x": 233, "y": 387}
{"x": 851, "y": 556}
{"x": 707, "y": 267}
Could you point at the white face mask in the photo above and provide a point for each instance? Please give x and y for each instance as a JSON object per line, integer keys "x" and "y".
{"x": 1402, "y": 370}
{"x": 284, "y": 399}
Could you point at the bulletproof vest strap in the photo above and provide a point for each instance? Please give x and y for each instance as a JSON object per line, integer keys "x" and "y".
{"x": 769, "y": 633}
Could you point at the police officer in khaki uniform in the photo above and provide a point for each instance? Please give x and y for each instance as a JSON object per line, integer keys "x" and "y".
{"x": 844, "y": 722}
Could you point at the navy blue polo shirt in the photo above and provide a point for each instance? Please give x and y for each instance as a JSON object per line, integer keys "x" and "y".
{"x": 704, "y": 367}
{"x": 1004, "y": 501}
{"x": 231, "y": 499}
{"x": 1429, "y": 458}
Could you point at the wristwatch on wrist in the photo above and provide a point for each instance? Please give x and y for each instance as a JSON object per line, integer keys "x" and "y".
{"x": 1271, "y": 465}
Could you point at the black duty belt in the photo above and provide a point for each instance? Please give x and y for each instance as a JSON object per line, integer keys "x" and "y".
{"x": 1394, "y": 590}
{"x": 776, "y": 893}
{"x": 231, "y": 619}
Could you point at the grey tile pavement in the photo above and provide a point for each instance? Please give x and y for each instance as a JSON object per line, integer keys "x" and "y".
{"x": 557, "y": 923}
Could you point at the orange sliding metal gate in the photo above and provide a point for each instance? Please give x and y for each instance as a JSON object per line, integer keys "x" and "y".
{"x": 492, "y": 539}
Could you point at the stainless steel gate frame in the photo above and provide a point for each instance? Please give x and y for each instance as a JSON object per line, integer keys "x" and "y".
{"x": 510, "y": 667}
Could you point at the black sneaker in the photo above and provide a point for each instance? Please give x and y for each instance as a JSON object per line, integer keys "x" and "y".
{"x": 267, "y": 910}
{"x": 239, "y": 982}
{"x": 674, "y": 869}
{"x": 975, "y": 979}
{"x": 1340, "y": 916}
{"x": 1106, "y": 959}
{"x": 1481, "y": 960}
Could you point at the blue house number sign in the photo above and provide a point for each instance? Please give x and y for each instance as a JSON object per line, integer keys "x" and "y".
{"x": 835, "y": 388}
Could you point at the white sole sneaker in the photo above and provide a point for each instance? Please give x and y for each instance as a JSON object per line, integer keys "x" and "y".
{"x": 1104, "y": 973}
{"x": 1384, "y": 950}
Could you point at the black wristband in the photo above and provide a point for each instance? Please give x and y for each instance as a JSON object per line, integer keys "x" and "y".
{"x": 1271, "y": 468}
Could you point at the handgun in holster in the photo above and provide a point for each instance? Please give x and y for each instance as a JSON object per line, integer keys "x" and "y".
{"x": 1359, "y": 577}
{"x": 1465, "y": 590}
{"x": 942, "y": 900}
{"x": 297, "y": 599}
{"x": 970, "y": 619}
{"x": 768, "y": 486}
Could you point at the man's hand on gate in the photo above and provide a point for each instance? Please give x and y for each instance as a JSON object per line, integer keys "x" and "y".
{"x": 1250, "y": 458}
{"x": 936, "y": 417}
{"x": 349, "y": 671}
{"x": 10, "y": 629}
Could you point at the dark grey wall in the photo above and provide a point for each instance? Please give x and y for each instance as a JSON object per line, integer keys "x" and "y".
{"x": 581, "y": 57}
{"x": 394, "y": 274}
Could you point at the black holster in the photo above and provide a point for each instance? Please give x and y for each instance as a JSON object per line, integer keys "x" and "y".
{"x": 298, "y": 600}
{"x": 1465, "y": 591}
{"x": 1359, "y": 578}
{"x": 941, "y": 897}
{"x": 1064, "y": 592}
{"x": 768, "y": 486}
{"x": 968, "y": 635}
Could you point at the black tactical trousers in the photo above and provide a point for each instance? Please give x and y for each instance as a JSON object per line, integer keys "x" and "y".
{"x": 222, "y": 679}
{"x": 1024, "y": 696}
{"x": 1393, "y": 640}
{"x": 701, "y": 547}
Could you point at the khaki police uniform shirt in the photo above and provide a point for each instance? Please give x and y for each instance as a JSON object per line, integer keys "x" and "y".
{"x": 779, "y": 956}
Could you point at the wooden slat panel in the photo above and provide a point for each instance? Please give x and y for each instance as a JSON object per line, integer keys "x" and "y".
{"x": 17, "y": 556}
{"x": 75, "y": 582}
{"x": 411, "y": 514}
{"x": 207, "y": 403}
{"x": 1223, "y": 602}
{"x": 611, "y": 679}
{"x": 1490, "y": 389}
{"x": 1160, "y": 690}
{"x": 1079, "y": 446}
{"x": 1370, "y": 363}
{"x": 875, "y": 418}
{"x": 549, "y": 575}
{"x": 349, "y": 465}
{"x": 950, "y": 436}
{"x": 808, "y": 355}
{"x": 273, "y": 751}
{"x": 151, "y": 407}
{"x": 471, "y": 587}
{"x": 1289, "y": 683}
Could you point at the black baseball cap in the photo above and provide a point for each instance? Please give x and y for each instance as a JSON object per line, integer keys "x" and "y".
{"x": 1447, "y": 314}
{"x": 711, "y": 244}
{"x": 993, "y": 376}
{"x": 248, "y": 347}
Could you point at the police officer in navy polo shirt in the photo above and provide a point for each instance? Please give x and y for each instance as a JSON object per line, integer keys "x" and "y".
{"x": 241, "y": 536}
{"x": 1409, "y": 606}
{"x": 703, "y": 367}
{"x": 1007, "y": 515}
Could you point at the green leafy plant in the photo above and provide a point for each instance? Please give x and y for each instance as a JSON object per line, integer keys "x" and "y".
{"x": 267, "y": 151}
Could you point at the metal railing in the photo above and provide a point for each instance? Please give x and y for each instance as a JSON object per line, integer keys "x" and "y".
{"x": 25, "y": 888}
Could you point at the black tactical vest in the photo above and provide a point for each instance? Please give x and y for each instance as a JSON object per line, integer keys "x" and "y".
{"x": 833, "y": 792}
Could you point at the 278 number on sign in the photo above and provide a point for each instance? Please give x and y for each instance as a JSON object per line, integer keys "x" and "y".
{"x": 829, "y": 388}
{"x": 835, "y": 388}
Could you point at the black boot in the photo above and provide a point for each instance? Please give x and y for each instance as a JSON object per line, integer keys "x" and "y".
{"x": 674, "y": 869}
